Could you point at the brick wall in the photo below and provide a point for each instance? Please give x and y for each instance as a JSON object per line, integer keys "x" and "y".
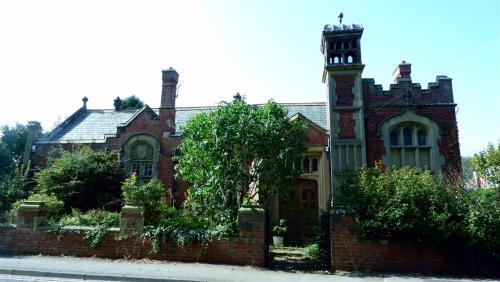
{"x": 249, "y": 247}
{"x": 443, "y": 116}
{"x": 348, "y": 253}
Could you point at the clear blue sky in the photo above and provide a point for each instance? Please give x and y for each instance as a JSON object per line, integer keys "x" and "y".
{"x": 52, "y": 53}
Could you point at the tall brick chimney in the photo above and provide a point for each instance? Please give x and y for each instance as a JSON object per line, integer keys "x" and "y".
{"x": 169, "y": 88}
{"x": 34, "y": 131}
{"x": 402, "y": 72}
{"x": 168, "y": 94}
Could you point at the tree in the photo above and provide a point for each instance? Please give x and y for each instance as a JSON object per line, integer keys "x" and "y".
{"x": 14, "y": 140}
{"x": 487, "y": 164}
{"x": 237, "y": 153}
{"x": 5, "y": 159}
{"x": 82, "y": 179}
{"x": 132, "y": 102}
{"x": 14, "y": 186}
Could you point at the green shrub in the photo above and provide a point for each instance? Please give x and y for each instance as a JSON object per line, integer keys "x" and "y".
{"x": 401, "y": 203}
{"x": 13, "y": 186}
{"x": 90, "y": 218}
{"x": 151, "y": 195}
{"x": 183, "y": 227}
{"x": 83, "y": 179}
{"x": 99, "y": 220}
{"x": 54, "y": 207}
{"x": 312, "y": 251}
{"x": 482, "y": 220}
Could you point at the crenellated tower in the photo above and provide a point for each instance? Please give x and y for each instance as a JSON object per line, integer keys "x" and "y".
{"x": 341, "y": 48}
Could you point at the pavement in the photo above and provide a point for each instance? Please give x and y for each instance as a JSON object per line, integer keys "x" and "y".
{"x": 71, "y": 268}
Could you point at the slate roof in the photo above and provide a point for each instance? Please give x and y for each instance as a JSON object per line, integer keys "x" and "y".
{"x": 316, "y": 112}
{"x": 91, "y": 126}
{"x": 94, "y": 126}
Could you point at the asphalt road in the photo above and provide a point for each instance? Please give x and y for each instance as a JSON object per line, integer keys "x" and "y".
{"x": 46, "y": 268}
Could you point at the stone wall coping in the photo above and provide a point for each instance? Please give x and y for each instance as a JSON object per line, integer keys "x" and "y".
{"x": 132, "y": 209}
{"x": 7, "y": 226}
{"x": 32, "y": 206}
{"x": 251, "y": 209}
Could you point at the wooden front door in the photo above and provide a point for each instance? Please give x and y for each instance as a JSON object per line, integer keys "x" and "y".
{"x": 301, "y": 212}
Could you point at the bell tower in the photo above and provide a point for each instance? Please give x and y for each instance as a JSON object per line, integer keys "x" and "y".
{"x": 341, "y": 48}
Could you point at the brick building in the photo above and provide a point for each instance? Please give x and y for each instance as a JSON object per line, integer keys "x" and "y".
{"x": 359, "y": 124}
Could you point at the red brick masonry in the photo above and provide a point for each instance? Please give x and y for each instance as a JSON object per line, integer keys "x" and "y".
{"x": 248, "y": 248}
{"x": 348, "y": 253}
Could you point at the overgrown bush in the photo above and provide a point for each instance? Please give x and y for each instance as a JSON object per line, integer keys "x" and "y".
{"x": 14, "y": 186}
{"x": 151, "y": 195}
{"x": 183, "y": 227}
{"x": 53, "y": 205}
{"x": 401, "y": 204}
{"x": 83, "y": 179}
{"x": 99, "y": 220}
{"x": 482, "y": 220}
{"x": 237, "y": 153}
{"x": 90, "y": 218}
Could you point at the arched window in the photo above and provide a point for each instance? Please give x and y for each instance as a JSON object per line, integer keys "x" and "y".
{"x": 407, "y": 136}
{"x": 394, "y": 137}
{"x": 314, "y": 165}
{"x": 414, "y": 149}
{"x": 305, "y": 165}
{"x": 141, "y": 154}
{"x": 141, "y": 161}
{"x": 411, "y": 140}
{"x": 422, "y": 136}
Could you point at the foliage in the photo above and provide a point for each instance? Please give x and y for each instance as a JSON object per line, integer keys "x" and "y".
{"x": 151, "y": 195}
{"x": 14, "y": 142}
{"x": 95, "y": 235}
{"x": 132, "y": 102}
{"x": 99, "y": 220}
{"x": 82, "y": 179}
{"x": 237, "y": 152}
{"x": 183, "y": 227}
{"x": 401, "y": 204}
{"x": 5, "y": 159}
{"x": 487, "y": 164}
{"x": 90, "y": 218}
{"x": 482, "y": 220}
{"x": 312, "y": 251}
{"x": 280, "y": 228}
{"x": 14, "y": 186}
{"x": 53, "y": 205}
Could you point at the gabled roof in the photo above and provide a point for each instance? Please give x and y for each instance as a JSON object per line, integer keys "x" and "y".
{"x": 316, "y": 112}
{"x": 91, "y": 126}
{"x": 94, "y": 126}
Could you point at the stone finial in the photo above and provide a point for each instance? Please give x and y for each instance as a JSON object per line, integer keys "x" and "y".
{"x": 85, "y": 100}
{"x": 341, "y": 16}
{"x": 237, "y": 97}
{"x": 117, "y": 103}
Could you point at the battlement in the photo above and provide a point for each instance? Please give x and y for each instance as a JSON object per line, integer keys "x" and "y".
{"x": 404, "y": 92}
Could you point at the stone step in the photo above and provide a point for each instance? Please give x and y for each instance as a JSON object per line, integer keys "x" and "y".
{"x": 287, "y": 252}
